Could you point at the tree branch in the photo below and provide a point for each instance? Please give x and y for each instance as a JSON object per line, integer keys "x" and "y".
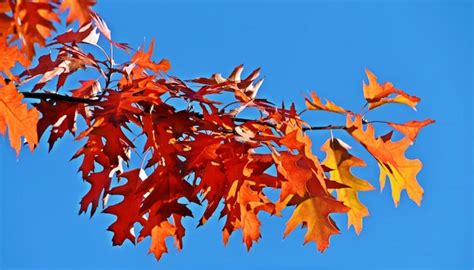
{"x": 54, "y": 96}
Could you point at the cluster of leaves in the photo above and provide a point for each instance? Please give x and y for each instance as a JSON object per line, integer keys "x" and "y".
{"x": 199, "y": 152}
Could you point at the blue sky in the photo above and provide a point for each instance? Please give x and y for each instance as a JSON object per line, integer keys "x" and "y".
{"x": 424, "y": 47}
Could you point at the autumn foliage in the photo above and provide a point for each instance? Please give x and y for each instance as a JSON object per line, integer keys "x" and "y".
{"x": 163, "y": 143}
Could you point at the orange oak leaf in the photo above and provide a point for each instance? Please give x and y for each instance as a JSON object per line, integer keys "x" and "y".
{"x": 391, "y": 158}
{"x": 314, "y": 213}
{"x": 249, "y": 201}
{"x": 243, "y": 197}
{"x": 9, "y": 57}
{"x": 6, "y": 23}
{"x": 412, "y": 128}
{"x": 17, "y": 117}
{"x": 78, "y": 10}
{"x": 164, "y": 220}
{"x": 341, "y": 162}
{"x": 158, "y": 236}
{"x": 34, "y": 23}
{"x": 316, "y": 104}
{"x": 299, "y": 170}
{"x": 143, "y": 59}
{"x": 163, "y": 230}
{"x": 377, "y": 94}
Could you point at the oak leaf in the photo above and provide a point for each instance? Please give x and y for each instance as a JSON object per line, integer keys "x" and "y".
{"x": 391, "y": 158}
{"x": 301, "y": 169}
{"x": 34, "y": 23}
{"x": 20, "y": 120}
{"x": 315, "y": 104}
{"x": 341, "y": 162}
{"x": 10, "y": 56}
{"x": 411, "y": 128}
{"x": 60, "y": 115}
{"x": 143, "y": 59}
{"x": 86, "y": 34}
{"x": 159, "y": 234}
{"x": 379, "y": 94}
{"x": 78, "y": 10}
{"x": 314, "y": 213}
{"x": 104, "y": 29}
{"x": 122, "y": 228}
{"x": 249, "y": 201}
{"x": 100, "y": 183}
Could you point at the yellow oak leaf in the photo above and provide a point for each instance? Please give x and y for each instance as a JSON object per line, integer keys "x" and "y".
{"x": 341, "y": 161}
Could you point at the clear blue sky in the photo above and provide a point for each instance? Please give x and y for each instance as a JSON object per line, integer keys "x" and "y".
{"x": 425, "y": 47}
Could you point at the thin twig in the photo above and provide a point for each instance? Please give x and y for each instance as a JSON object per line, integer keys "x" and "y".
{"x": 329, "y": 127}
